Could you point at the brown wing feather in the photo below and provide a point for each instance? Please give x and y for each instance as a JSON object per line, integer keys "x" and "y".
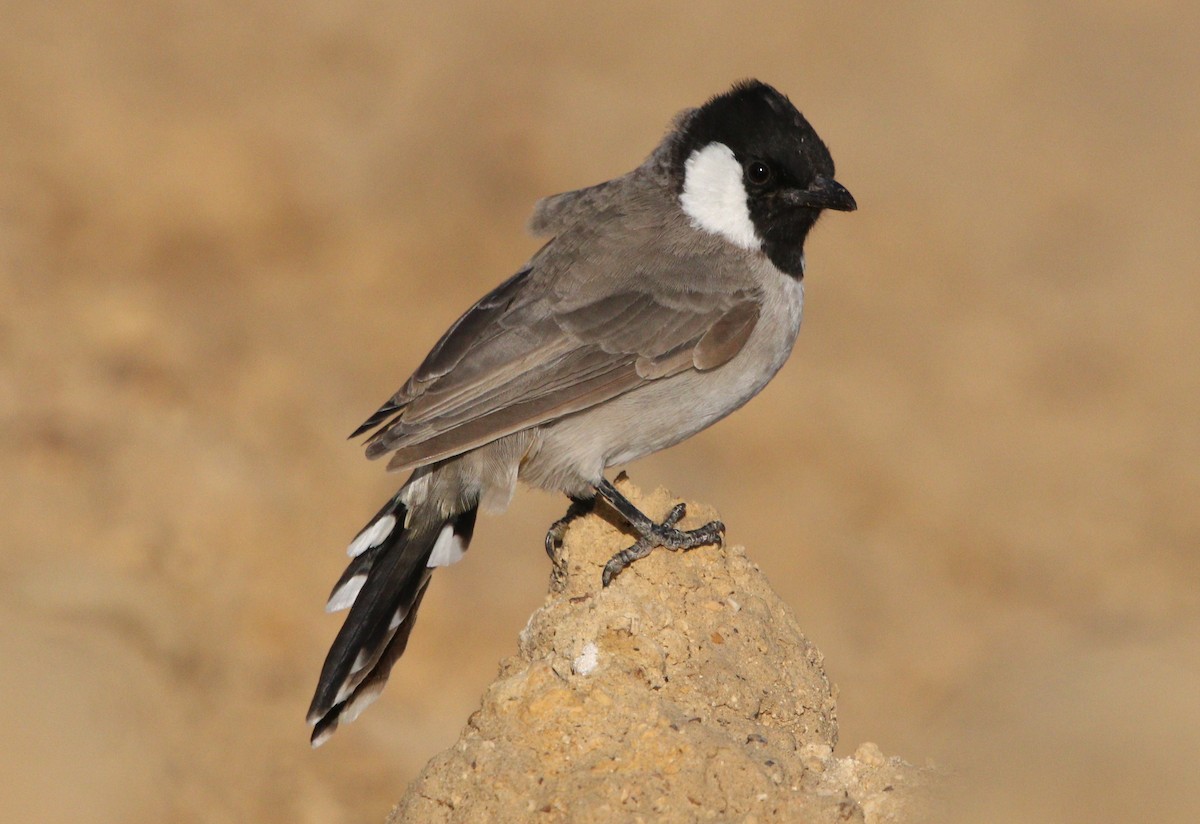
{"x": 513, "y": 418}
{"x": 521, "y": 357}
{"x": 726, "y": 337}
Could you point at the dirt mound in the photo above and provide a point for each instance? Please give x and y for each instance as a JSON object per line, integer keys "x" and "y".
{"x": 684, "y": 691}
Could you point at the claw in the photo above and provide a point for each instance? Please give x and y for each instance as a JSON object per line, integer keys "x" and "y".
{"x": 554, "y": 539}
{"x": 558, "y": 530}
{"x": 675, "y": 515}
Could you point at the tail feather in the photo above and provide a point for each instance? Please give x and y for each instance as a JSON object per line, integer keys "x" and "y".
{"x": 379, "y": 528}
{"x": 372, "y": 685}
{"x": 383, "y": 587}
{"x": 345, "y": 591}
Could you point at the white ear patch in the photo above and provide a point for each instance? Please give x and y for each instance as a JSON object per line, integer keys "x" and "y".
{"x": 715, "y": 198}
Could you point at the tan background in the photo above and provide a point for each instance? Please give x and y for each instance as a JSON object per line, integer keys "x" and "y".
{"x": 229, "y": 230}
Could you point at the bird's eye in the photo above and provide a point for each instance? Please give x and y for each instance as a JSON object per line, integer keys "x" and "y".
{"x": 758, "y": 173}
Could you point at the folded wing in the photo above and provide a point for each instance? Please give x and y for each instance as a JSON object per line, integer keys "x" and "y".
{"x": 523, "y": 356}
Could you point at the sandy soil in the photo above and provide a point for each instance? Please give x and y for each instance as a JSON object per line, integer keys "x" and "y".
{"x": 228, "y": 230}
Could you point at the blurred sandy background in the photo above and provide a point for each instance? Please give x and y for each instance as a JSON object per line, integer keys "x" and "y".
{"x": 229, "y": 230}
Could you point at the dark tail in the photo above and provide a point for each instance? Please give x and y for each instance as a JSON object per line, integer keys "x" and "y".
{"x": 383, "y": 587}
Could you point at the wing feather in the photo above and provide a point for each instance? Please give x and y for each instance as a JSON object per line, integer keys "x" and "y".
{"x": 551, "y": 342}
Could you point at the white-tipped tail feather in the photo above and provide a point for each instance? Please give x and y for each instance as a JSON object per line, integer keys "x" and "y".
{"x": 344, "y": 594}
{"x": 391, "y": 562}
{"x": 447, "y": 549}
{"x": 375, "y": 534}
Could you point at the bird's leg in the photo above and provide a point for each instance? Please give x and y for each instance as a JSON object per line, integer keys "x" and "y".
{"x": 558, "y": 529}
{"x": 652, "y": 534}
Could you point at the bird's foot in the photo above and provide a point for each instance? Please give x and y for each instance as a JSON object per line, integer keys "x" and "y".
{"x": 667, "y": 536}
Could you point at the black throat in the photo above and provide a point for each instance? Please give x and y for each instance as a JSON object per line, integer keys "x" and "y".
{"x": 783, "y": 232}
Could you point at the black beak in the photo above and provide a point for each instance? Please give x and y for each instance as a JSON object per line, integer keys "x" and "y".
{"x": 824, "y": 193}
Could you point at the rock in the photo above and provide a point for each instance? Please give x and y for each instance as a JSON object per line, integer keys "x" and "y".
{"x": 685, "y": 691}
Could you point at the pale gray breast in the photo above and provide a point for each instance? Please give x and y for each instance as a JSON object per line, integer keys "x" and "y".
{"x": 665, "y": 412}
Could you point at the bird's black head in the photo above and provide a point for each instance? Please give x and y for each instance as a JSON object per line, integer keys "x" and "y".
{"x": 749, "y": 167}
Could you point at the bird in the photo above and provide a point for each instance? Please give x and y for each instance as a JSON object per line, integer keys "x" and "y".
{"x": 662, "y": 301}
